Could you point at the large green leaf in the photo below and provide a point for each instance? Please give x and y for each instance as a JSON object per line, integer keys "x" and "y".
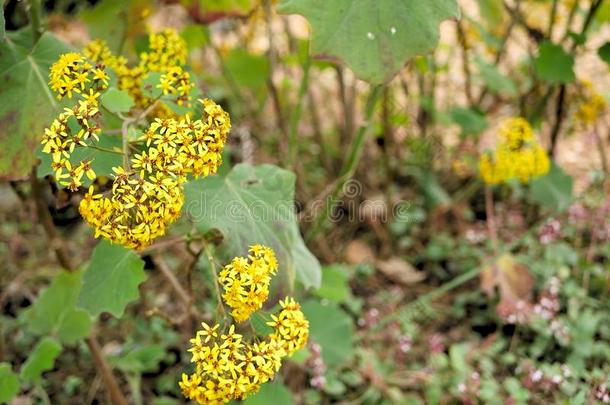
{"x": 9, "y": 382}
{"x": 108, "y": 21}
{"x": 375, "y": 38}
{"x": 273, "y": 392}
{"x": 26, "y": 103}
{"x": 332, "y": 329}
{"x": 41, "y": 359}
{"x": 554, "y": 190}
{"x": 54, "y": 311}
{"x": 111, "y": 280}
{"x": 254, "y": 204}
{"x": 554, "y": 64}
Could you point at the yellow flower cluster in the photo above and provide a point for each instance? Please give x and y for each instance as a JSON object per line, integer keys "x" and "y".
{"x": 167, "y": 50}
{"x": 291, "y": 329}
{"x": 518, "y": 156}
{"x": 246, "y": 281}
{"x": 78, "y": 126}
{"x": 176, "y": 81}
{"x": 147, "y": 198}
{"x": 591, "y": 105}
{"x": 230, "y": 368}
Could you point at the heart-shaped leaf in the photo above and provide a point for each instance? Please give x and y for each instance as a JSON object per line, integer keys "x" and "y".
{"x": 375, "y": 38}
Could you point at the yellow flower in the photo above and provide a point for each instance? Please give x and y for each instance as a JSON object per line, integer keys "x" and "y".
{"x": 246, "y": 281}
{"x": 517, "y": 156}
{"x": 291, "y": 329}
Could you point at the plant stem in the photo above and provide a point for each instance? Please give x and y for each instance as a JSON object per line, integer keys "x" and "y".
{"x": 65, "y": 260}
{"x": 35, "y": 19}
{"x": 295, "y": 117}
{"x": 351, "y": 164}
{"x": 491, "y": 218}
{"x": 214, "y": 276}
{"x": 116, "y": 152}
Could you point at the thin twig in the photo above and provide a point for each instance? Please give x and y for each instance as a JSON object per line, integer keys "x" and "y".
{"x": 163, "y": 267}
{"x": 214, "y": 277}
{"x": 491, "y": 218}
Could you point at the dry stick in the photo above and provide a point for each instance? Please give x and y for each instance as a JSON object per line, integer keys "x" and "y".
{"x": 65, "y": 260}
{"x": 465, "y": 63}
{"x": 351, "y": 163}
{"x": 600, "y": 148}
{"x": 491, "y": 218}
{"x": 184, "y": 296}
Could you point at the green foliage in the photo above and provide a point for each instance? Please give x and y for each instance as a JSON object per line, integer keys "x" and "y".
{"x": 2, "y": 24}
{"x": 335, "y": 283}
{"x": 111, "y": 280}
{"x": 554, "y": 190}
{"x": 141, "y": 359}
{"x": 247, "y": 69}
{"x": 554, "y": 64}
{"x": 329, "y": 325}
{"x": 9, "y": 382}
{"x": 254, "y": 204}
{"x": 116, "y": 101}
{"x": 54, "y": 311}
{"x": 41, "y": 359}
{"x": 195, "y": 36}
{"x": 274, "y": 393}
{"x": 107, "y": 21}
{"x": 494, "y": 79}
{"x": 604, "y": 52}
{"x": 471, "y": 121}
{"x": 374, "y": 41}
{"x": 27, "y": 104}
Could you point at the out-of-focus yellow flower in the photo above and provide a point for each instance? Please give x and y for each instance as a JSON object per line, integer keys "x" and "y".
{"x": 291, "y": 329}
{"x": 517, "y": 156}
{"x": 591, "y": 105}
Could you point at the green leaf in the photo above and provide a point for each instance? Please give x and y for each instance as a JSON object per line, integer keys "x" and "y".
{"x": 230, "y": 7}
{"x": 259, "y": 321}
{"x": 140, "y": 359}
{"x": 471, "y": 121}
{"x": 554, "y": 190}
{"x": 74, "y": 326}
{"x": 494, "y": 79}
{"x": 107, "y": 21}
{"x": 246, "y": 69}
{"x": 604, "y": 52}
{"x": 41, "y": 359}
{"x": 195, "y": 36}
{"x": 554, "y": 64}
{"x": 332, "y": 329}
{"x": 111, "y": 280}
{"x": 254, "y": 204}
{"x": 116, "y": 101}
{"x": 374, "y": 40}
{"x": 2, "y": 36}
{"x": 9, "y": 383}
{"x": 274, "y": 393}
{"x": 26, "y": 105}
{"x": 102, "y": 161}
{"x": 54, "y": 311}
{"x": 335, "y": 285}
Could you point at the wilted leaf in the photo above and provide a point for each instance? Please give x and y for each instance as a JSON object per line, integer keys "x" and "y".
{"x": 374, "y": 40}
{"x": 254, "y": 204}
{"x": 399, "y": 271}
{"x": 26, "y": 102}
{"x": 514, "y": 282}
{"x": 111, "y": 280}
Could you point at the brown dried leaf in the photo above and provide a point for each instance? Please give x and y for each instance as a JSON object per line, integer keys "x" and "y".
{"x": 514, "y": 282}
{"x": 399, "y": 271}
{"x": 359, "y": 252}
